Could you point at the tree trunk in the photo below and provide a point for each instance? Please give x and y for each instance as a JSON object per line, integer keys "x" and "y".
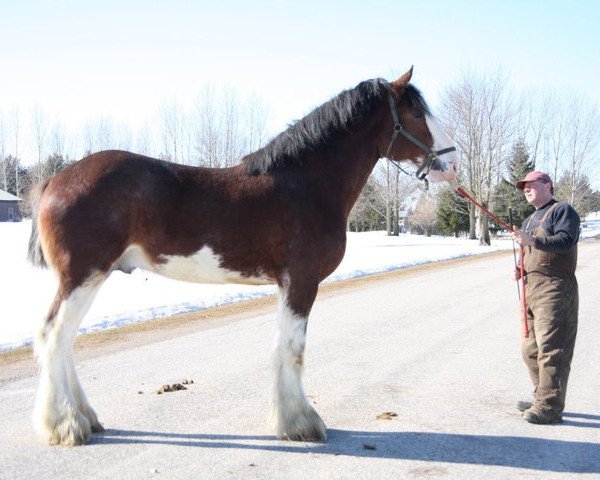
{"x": 484, "y": 229}
{"x": 472, "y": 223}
{"x": 396, "y": 218}
{"x": 388, "y": 217}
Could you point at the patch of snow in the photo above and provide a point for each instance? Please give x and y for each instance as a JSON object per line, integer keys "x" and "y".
{"x": 26, "y": 292}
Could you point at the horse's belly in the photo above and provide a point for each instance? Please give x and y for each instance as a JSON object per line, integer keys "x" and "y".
{"x": 204, "y": 266}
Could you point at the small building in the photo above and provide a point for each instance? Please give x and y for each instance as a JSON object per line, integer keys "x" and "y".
{"x": 9, "y": 207}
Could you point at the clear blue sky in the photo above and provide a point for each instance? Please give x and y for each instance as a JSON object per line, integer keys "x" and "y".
{"x": 120, "y": 58}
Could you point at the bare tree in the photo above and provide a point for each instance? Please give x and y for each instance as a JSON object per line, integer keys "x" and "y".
{"x": 39, "y": 126}
{"x": 173, "y": 127}
{"x": 99, "y": 134}
{"x": 535, "y": 111}
{"x": 424, "y": 216}
{"x": 482, "y": 121}
{"x": 232, "y": 143}
{"x": 582, "y": 141}
{"x": 253, "y": 122}
{"x": 143, "y": 143}
{"x": 58, "y": 139}
{"x": 16, "y": 123}
{"x": 124, "y": 137}
{"x": 224, "y": 128}
{"x": 216, "y": 132}
{"x": 571, "y": 125}
{"x": 207, "y": 130}
{"x": 557, "y": 135}
{"x": 460, "y": 114}
{"x": 393, "y": 189}
{"x": 3, "y": 163}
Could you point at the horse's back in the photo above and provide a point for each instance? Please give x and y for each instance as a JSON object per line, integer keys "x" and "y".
{"x": 113, "y": 170}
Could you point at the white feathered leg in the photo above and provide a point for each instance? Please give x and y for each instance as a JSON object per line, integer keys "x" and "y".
{"x": 81, "y": 400}
{"x": 62, "y": 414}
{"x": 291, "y": 415}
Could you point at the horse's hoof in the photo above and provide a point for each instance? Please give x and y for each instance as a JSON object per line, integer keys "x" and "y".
{"x": 308, "y": 427}
{"x": 312, "y": 435}
{"x": 97, "y": 427}
{"x": 69, "y": 432}
{"x": 74, "y": 431}
{"x": 92, "y": 418}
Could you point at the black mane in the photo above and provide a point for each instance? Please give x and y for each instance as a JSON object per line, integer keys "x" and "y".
{"x": 317, "y": 128}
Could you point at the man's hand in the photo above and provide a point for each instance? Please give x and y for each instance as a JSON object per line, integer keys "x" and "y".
{"x": 523, "y": 238}
{"x": 516, "y": 273}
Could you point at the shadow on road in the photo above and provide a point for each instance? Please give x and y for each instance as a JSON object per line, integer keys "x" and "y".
{"x": 586, "y": 416}
{"x": 519, "y": 452}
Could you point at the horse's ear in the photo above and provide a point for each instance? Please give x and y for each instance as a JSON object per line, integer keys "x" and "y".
{"x": 403, "y": 80}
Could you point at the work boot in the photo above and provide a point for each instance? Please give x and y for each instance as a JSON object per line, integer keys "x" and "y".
{"x": 523, "y": 405}
{"x": 533, "y": 415}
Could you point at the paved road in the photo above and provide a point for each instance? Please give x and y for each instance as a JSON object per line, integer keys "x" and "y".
{"x": 438, "y": 346}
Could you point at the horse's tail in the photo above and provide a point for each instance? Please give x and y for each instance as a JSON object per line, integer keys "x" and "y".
{"x": 35, "y": 253}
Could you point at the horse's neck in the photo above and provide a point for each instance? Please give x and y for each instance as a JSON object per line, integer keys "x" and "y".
{"x": 348, "y": 170}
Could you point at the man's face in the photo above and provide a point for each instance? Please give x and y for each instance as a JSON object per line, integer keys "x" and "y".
{"x": 537, "y": 193}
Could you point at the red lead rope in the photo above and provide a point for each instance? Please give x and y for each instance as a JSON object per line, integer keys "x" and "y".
{"x": 464, "y": 194}
{"x": 522, "y": 281}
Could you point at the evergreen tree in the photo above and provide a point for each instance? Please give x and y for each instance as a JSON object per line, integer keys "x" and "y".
{"x": 452, "y": 213}
{"x": 54, "y": 164}
{"x": 578, "y": 192}
{"x": 507, "y": 195}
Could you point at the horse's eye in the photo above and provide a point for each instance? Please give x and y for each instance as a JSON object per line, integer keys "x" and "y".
{"x": 418, "y": 114}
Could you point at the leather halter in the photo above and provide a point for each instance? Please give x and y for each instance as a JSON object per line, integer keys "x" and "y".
{"x": 432, "y": 155}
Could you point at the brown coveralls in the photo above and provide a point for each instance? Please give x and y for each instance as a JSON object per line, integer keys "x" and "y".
{"x": 553, "y": 302}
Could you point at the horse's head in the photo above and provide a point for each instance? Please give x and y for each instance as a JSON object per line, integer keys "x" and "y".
{"x": 417, "y": 136}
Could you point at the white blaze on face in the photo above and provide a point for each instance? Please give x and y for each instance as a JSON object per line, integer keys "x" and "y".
{"x": 449, "y": 160}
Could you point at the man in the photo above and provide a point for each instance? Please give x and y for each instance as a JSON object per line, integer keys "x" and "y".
{"x": 549, "y": 237}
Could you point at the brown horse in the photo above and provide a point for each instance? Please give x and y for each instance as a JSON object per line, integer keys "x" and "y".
{"x": 278, "y": 217}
